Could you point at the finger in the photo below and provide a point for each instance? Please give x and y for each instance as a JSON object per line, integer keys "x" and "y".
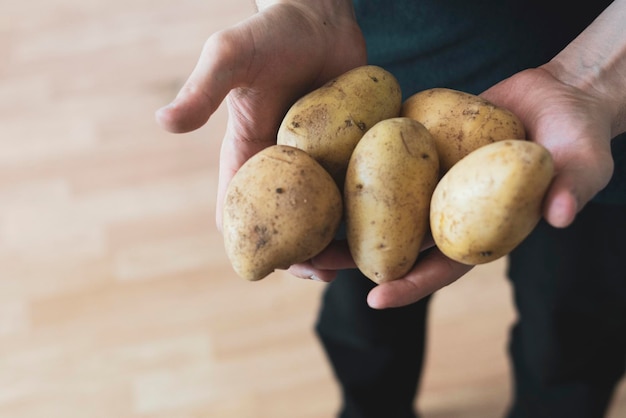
{"x": 431, "y": 273}
{"x": 217, "y": 72}
{"x": 334, "y": 257}
{"x": 428, "y": 242}
{"x": 324, "y": 266}
{"x": 337, "y": 255}
{"x": 561, "y": 203}
{"x": 574, "y": 185}
{"x": 307, "y": 271}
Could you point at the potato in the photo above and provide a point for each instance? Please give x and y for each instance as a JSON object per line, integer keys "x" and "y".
{"x": 280, "y": 208}
{"x": 389, "y": 182}
{"x": 328, "y": 122}
{"x": 490, "y": 201}
{"x": 461, "y": 122}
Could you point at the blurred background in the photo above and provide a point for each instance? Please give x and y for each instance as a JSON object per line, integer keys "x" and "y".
{"x": 116, "y": 299}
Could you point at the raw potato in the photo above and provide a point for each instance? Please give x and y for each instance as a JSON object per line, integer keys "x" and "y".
{"x": 390, "y": 179}
{"x": 490, "y": 201}
{"x": 281, "y": 208}
{"x": 461, "y": 122}
{"x": 328, "y": 122}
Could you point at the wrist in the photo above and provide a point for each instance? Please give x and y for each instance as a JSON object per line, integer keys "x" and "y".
{"x": 595, "y": 63}
{"x": 596, "y": 81}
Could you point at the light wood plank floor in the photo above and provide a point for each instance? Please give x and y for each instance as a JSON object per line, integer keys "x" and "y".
{"x": 116, "y": 299}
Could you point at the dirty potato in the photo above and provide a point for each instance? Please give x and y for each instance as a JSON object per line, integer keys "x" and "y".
{"x": 328, "y": 122}
{"x": 461, "y": 122}
{"x": 489, "y": 202}
{"x": 280, "y": 208}
{"x": 389, "y": 182}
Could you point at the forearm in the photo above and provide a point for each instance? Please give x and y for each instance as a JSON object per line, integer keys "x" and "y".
{"x": 595, "y": 62}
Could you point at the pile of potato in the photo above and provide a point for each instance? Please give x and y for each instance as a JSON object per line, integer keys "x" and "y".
{"x": 443, "y": 162}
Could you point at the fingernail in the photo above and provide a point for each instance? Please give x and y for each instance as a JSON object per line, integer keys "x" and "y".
{"x": 164, "y": 108}
{"x": 170, "y": 105}
{"x": 314, "y": 277}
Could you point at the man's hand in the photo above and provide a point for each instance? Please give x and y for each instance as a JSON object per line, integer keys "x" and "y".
{"x": 432, "y": 271}
{"x": 573, "y": 125}
{"x": 574, "y": 105}
{"x": 261, "y": 66}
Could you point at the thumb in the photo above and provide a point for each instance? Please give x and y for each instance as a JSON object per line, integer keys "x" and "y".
{"x": 576, "y": 183}
{"x": 214, "y": 75}
{"x": 562, "y": 201}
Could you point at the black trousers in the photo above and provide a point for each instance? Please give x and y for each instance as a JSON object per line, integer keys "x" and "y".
{"x": 567, "y": 350}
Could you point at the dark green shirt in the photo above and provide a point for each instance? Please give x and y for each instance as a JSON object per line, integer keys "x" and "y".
{"x": 470, "y": 46}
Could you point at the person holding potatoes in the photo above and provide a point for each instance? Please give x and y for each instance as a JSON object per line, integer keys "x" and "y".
{"x": 561, "y": 68}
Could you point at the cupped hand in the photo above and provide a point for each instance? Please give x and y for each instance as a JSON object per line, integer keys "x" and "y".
{"x": 261, "y": 66}
{"x": 573, "y": 125}
{"x": 432, "y": 271}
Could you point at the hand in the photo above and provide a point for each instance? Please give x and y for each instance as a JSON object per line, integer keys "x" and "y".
{"x": 432, "y": 271}
{"x": 573, "y": 125}
{"x": 262, "y": 66}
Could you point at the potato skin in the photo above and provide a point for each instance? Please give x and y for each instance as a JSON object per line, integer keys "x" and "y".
{"x": 328, "y": 122}
{"x": 389, "y": 182}
{"x": 461, "y": 122}
{"x": 490, "y": 201}
{"x": 280, "y": 208}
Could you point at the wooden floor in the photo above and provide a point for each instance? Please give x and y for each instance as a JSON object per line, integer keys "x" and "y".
{"x": 116, "y": 299}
